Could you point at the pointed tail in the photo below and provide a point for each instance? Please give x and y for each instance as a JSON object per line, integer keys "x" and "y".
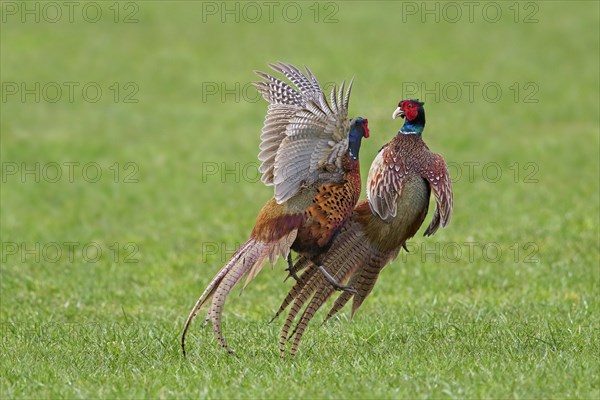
{"x": 246, "y": 261}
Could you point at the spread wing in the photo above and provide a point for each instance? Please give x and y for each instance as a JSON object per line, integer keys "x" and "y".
{"x": 303, "y": 133}
{"x": 384, "y": 183}
{"x": 439, "y": 180}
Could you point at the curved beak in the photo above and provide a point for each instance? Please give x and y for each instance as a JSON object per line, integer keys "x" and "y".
{"x": 398, "y": 113}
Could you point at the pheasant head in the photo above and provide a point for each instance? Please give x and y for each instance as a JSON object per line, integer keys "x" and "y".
{"x": 359, "y": 128}
{"x": 414, "y": 113}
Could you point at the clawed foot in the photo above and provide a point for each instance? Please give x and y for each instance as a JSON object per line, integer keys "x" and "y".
{"x": 336, "y": 285}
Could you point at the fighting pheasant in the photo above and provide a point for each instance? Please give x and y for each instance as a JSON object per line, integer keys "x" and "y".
{"x": 309, "y": 153}
{"x": 399, "y": 184}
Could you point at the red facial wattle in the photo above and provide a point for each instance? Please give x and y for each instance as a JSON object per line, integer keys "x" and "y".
{"x": 410, "y": 110}
{"x": 366, "y": 128}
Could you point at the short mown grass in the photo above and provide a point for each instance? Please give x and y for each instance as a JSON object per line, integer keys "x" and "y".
{"x": 504, "y": 303}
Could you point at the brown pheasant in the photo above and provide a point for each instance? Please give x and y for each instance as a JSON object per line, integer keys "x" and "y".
{"x": 309, "y": 153}
{"x": 400, "y": 181}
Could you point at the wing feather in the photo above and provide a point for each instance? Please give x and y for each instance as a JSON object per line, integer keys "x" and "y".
{"x": 302, "y": 130}
{"x": 439, "y": 180}
{"x": 384, "y": 184}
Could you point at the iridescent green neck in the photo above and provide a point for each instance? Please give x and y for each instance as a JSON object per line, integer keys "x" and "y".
{"x": 415, "y": 126}
{"x": 412, "y": 128}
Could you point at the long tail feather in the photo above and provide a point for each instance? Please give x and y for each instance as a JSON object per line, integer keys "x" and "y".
{"x": 345, "y": 268}
{"x": 340, "y": 302}
{"x": 368, "y": 278}
{"x": 252, "y": 261}
{"x": 324, "y": 292}
{"x": 341, "y": 261}
{"x": 250, "y": 257}
{"x": 307, "y": 289}
{"x": 363, "y": 281}
{"x": 301, "y": 264}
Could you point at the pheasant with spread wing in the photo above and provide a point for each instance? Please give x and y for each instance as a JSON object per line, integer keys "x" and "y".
{"x": 309, "y": 153}
{"x": 400, "y": 181}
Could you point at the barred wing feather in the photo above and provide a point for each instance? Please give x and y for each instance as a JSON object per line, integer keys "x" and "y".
{"x": 303, "y": 133}
{"x": 384, "y": 184}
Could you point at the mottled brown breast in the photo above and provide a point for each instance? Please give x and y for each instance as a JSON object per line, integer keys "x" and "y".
{"x": 331, "y": 206}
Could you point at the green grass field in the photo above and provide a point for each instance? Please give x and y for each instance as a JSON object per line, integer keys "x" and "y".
{"x": 99, "y": 272}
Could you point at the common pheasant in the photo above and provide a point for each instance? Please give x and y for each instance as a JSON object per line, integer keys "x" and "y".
{"x": 309, "y": 153}
{"x": 399, "y": 184}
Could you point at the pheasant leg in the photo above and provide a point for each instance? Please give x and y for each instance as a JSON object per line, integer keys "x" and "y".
{"x": 334, "y": 282}
{"x": 290, "y": 268}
